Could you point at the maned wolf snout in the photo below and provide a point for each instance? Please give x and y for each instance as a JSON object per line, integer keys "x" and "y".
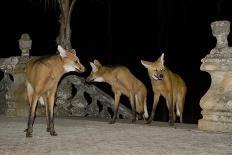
{"x": 123, "y": 82}
{"x": 168, "y": 84}
{"x": 89, "y": 79}
{"x": 42, "y": 77}
{"x": 157, "y": 76}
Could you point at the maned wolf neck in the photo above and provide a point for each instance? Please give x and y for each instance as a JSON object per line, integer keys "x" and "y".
{"x": 54, "y": 63}
{"x": 109, "y": 73}
{"x": 57, "y": 65}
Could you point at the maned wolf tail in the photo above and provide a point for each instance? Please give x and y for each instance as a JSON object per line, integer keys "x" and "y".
{"x": 145, "y": 109}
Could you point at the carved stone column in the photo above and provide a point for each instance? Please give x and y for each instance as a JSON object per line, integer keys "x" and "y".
{"x": 216, "y": 104}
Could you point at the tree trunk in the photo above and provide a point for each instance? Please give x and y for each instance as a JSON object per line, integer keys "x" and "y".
{"x": 64, "y": 37}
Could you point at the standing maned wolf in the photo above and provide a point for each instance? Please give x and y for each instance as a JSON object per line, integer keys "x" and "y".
{"x": 168, "y": 84}
{"x": 123, "y": 82}
{"x": 42, "y": 77}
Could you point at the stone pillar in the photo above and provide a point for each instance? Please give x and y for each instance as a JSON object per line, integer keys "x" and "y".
{"x": 18, "y": 88}
{"x": 216, "y": 104}
{"x": 13, "y": 81}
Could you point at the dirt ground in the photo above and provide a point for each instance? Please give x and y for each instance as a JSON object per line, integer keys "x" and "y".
{"x": 85, "y": 136}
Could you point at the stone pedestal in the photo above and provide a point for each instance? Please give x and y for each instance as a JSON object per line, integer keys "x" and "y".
{"x": 216, "y": 104}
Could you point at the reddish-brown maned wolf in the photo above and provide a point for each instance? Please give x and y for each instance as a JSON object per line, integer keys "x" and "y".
{"x": 42, "y": 77}
{"x": 123, "y": 82}
{"x": 169, "y": 85}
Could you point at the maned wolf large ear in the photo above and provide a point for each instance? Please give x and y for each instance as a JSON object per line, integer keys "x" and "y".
{"x": 146, "y": 63}
{"x": 161, "y": 58}
{"x": 97, "y": 63}
{"x": 61, "y": 51}
{"x": 94, "y": 67}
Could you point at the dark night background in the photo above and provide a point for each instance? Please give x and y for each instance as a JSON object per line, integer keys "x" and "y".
{"x": 121, "y": 32}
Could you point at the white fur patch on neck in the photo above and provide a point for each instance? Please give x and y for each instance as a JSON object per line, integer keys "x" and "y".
{"x": 99, "y": 79}
{"x": 154, "y": 77}
{"x": 69, "y": 68}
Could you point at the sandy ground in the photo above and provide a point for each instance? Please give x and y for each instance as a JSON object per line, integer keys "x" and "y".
{"x": 96, "y": 137}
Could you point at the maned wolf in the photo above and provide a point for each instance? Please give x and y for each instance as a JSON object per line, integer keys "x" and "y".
{"x": 123, "y": 82}
{"x": 168, "y": 84}
{"x": 42, "y": 77}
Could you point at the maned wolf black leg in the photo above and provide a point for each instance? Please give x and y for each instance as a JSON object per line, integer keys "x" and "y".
{"x": 132, "y": 102}
{"x": 116, "y": 105}
{"x": 181, "y": 118}
{"x": 52, "y": 129}
{"x": 181, "y": 107}
{"x": 51, "y": 114}
{"x": 47, "y": 113}
{"x": 171, "y": 111}
{"x": 31, "y": 117}
{"x": 155, "y": 102}
{"x": 140, "y": 116}
{"x": 171, "y": 119}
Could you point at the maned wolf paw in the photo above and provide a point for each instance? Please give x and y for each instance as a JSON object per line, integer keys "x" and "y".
{"x": 171, "y": 123}
{"x": 53, "y": 133}
{"x": 112, "y": 121}
{"x": 29, "y": 134}
{"x": 140, "y": 117}
{"x": 133, "y": 120}
{"x": 48, "y": 129}
{"x": 148, "y": 121}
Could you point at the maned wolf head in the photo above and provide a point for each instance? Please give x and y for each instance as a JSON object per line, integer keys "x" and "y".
{"x": 71, "y": 61}
{"x": 96, "y": 72}
{"x": 156, "y": 69}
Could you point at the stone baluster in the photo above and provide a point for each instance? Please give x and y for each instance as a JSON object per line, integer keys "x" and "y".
{"x": 216, "y": 104}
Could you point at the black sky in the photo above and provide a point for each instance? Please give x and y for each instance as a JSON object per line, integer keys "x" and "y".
{"x": 123, "y": 32}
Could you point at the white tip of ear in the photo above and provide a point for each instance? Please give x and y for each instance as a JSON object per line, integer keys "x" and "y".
{"x": 61, "y": 51}
{"x": 91, "y": 64}
{"x": 144, "y": 64}
{"x": 94, "y": 68}
{"x": 162, "y": 58}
